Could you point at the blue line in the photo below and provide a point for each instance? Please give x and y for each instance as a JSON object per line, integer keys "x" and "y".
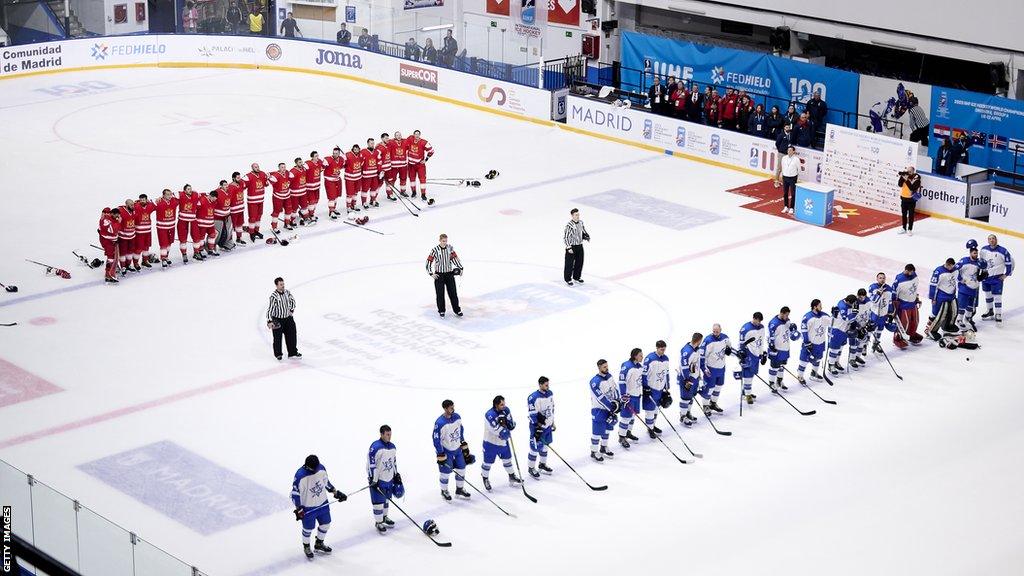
{"x": 556, "y": 180}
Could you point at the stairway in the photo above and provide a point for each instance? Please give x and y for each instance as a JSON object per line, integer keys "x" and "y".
{"x": 76, "y": 29}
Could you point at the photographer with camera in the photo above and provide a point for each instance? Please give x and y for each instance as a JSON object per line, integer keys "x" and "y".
{"x": 910, "y": 186}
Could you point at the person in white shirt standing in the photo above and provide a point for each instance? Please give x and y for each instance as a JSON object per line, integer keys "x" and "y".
{"x": 790, "y": 172}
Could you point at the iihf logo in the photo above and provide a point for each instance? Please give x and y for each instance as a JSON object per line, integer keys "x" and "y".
{"x": 681, "y": 137}
{"x": 648, "y": 129}
{"x": 716, "y": 144}
{"x": 718, "y": 74}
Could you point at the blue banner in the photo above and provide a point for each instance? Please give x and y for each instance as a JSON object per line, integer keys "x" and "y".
{"x": 758, "y": 74}
{"x": 994, "y": 126}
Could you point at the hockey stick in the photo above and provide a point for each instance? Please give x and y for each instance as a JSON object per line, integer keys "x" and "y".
{"x": 886, "y": 356}
{"x": 685, "y": 445}
{"x": 463, "y": 478}
{"x": 58, "y": 271}
{"x": 363, "y": 227}
{"x": 280, "y": 240}
{"x": 589, "y": 485}
{"x": 8, "y": 287}
{"x": 414, "y": 523}
{"x": 10, "y": 324}
{"x": 95, "y": 263}
{"x": 521, "y": 479}
{"x": 808, "y": 386}
{"x": 781, "y": 395}
{"x": 403, "y": 198}
{"x": 651, "y": 432}
{"x": 710, "y": 421}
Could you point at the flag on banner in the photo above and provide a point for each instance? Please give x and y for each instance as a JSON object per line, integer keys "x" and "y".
{"x": 940, "y": 131}
{"x": 1015, "y": 144}
{"x": 498, "y": 7}
{"x": 528, "y": 18}
{"x": 563, "y": 12}
{"x": 997, "y": 142}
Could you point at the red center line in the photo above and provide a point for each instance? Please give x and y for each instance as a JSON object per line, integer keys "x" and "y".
{"x": 145, "y": 405}
{"x": 707, "y": 252}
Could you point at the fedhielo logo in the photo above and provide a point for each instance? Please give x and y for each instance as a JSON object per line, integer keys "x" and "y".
{"x": 808, "y": 205}
{"x": 648, "y": 129}
{"x": 100, "y": 52}
{"x": 489, "y": 96}
{"x": 681, "y": 137}
{"x": 718, "y": 74}
{"x": 104, "y": 51}
{"x": 716, "y": 144}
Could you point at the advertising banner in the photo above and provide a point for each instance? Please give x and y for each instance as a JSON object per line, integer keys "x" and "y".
{"x": 529, "y": 18}
{"x": 864, "y": 167}
{"x": 994, "y": 126}
{"x": 1007, "y": 210}
{"x": 943, "y": 195}
{"x": 413, "y": 4}
{"x": 564, "y": 12}
{"x": 498, "y": 7}
{"x": 884, "y": 105}
{"x": 759, "y": 74}
{"x": 706, "y": 142}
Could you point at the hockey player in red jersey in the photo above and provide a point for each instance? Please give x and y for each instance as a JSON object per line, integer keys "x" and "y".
{"x": 298, "y": 195}
{"x": 222, "y": 218}
{"x": 333, "y": 166}
{"x": 371, "y": 173}
{"x": 281, "y": 201}
{"x": 188, "y": 203}
{"x": 399, "y": 161}
{"x": 126, "y": 239}
{"x": 387, "y": 174}
{"x": 255, "y": 185}
{"x": 353, "y": 177}
{"x": 109, "y": 230}
{"x": 418, "y": 151}
{"x": 205, "y": 214}
{"x": 144, "y": 210}
{"x": 166, "y": 218}
{"x": 236, "y": 189}
{"x": 314, "y": 168}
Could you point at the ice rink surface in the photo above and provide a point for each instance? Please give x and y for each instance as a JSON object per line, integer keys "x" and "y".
{"x": 158, "y": 402}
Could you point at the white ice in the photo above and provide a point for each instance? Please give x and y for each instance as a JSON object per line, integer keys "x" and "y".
{"x": 921, "y": 476}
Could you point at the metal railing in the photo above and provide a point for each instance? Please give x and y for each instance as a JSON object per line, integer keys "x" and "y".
{"x": 76, "y": 536}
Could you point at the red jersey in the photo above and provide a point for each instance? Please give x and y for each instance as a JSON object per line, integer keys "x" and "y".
{"x": 127, "y": 223}
{"x": 204, "y": 210}
{"x": 333, "y": 167}
{"x": 108, "y": 227}
{"x": 353, "y": 166}
{"x": 166, "y": 213}
{"x": 144, "y": 216}
{"x": 279, "y": 180}
{"x": 384, "y": 156}
{"x": 371, "y": 162}
{"x": 728, "y": 107}
{"x": 313, "y": 170}
{"x": 418, "y": 150}
{"x": 236, "y": 190}
{"x": 398, "y": 156}
{"x": 298, "y": 176}
{"x": 255, "y": 182}
{"x": 222, "y": 205}
{"x": 187, "y": 205}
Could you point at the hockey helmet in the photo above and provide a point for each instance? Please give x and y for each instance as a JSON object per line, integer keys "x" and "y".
{"x": 972, "y": 244}
{"x": 430, "y": 528}
{"x": 312, "y": 462}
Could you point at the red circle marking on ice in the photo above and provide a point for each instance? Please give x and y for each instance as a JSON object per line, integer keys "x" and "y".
{"x": 510, "y": 212}
{"x": 42, "y": 321}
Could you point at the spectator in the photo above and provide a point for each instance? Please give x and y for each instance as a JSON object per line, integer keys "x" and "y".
{"x": 289, "y": 27}
{"x": 429, "y": 52}
{"x": 712, "y": 116}
{"x": 782, "y": 143}
{"x": 773, "y": 123}
{"x": 744, "y": 108}
{"x": 910, "y": 186}
{"x": 657, "y": 99}
{"x": 803, "y": 131}
{"x": 695, "y": 104}
{"x": 756, "y": 123}
{"x": 944, "y": 159}
{"x": 817, "y": 110}
{"x": 790, "y": 170}
{"x": 344, "y": 36}
{"x": 710, "y": 97}
{"x": 449, "y": 49}
{"x": 672, "y": 86}
{"x": 256, "y": 21}
{"x": 234, "y": 18}
{"x": 727, "y": 110}
{"x": 364, "y": 39}
{"x": 412, "y": 50}
{"x": 792, "y": 115}
{"x": 189, "y": 18}
{"x": 960, "y": 153}
{"x": 918, "y": 119}
{"x": 679, "y": 98}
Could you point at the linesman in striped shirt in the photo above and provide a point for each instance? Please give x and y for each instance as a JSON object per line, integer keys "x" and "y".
{"x": 575, "y": 234}
{"x": 280, "y": 320}
{"x": 443, "y": 265}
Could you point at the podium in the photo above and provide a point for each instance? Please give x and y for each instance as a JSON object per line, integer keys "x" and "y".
{"x": 814, "y": 203}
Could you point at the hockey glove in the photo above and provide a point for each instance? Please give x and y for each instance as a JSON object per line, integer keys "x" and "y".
{"x": 728, "y": 350}
{"x": 457, "y": 272}
{"x": 835, "y": 311}
{"x": 442, "y": 461}
{"x": 687, "y": 385}
{"x": 982, "y": 275}
{"x": 469, "y": 458}
{"x": 646, "y": 393}
{"x": 666, "y": 399}
{"x": 503, "y": 422}
{"x": 542, "y": 419}
{"x": 374, "y": 485}
{"x": 299, "y": 513}
{"x": 741, "y": 355}
{"x": 537, "y": 433}
{"x": 616, "y": 407}
{"x": 764, "y": 358}
{"x": 586, "y": 236}
{"x": 808, "y": 347}
{"x": 871, "y": 327}
{"x": 340, "y": 495}
{"x": 397, "y": 480}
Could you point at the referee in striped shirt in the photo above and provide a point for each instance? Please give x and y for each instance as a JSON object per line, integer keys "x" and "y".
{"x": 279, "y": 319}
{"x": 443, "y": 265}
{"x": 919, "y": 122}
{"x": 575, "y": 234}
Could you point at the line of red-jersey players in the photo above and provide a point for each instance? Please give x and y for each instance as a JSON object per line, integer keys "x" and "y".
{"x": 126, "y": 231}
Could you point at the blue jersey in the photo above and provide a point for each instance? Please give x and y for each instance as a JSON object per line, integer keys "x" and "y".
{"x": 689, "y": 364}
{"x": 814, "y": 327}
{"x": 603, "y": 391}
{"x": 381, "y": 463}
{"x": 712, "y": 351}
{"x": 905, "y": 288}
{"x": 846, "y": 317}
{"x": 656, "y": 371}
{"x": 310, "y": 489}
{"x": 495, "y": 433}
{"x": 881, "y": 299}
{"x": 630, "y": 379}
{"x": 748, "y": 331}
{"x": 997, "y": 260}
{"x": 942, "y": 287}
{"x": 968, "y": 268}
{"x": 541, "y": 403}
{"x": 448, "y": 435}
{"x": 780, "y": 332}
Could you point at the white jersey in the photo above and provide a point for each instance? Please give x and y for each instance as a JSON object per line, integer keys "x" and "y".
{"x": 656, "y": 371}
{"x": 310, "y": 489}
{"x": 603, "y": 391}
{"x": 631, "y": 379}
{"x": 712, "y": 350}
{"x": 814, "y": 327}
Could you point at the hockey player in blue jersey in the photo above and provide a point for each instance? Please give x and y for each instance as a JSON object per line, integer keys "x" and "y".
{"x": 844, "y": 322}
{"x": 541, "y": 406}
{"x": 630, "y": 390}
{"x": 452, "y": 450}
{"x": 655, "y": 383}
{"x": 751, "y": 354}
{"x": 883, "y": 312}
{"x": 814, "y": 329}
{"x": 781, "y": 330}
{"x": 498, "y": 427}
{"x": 688, "y": 377}
{"x": 310, "y": 490}
{"x": 859, "y": 335}
{"x": 383, "y": 478}
{"x": 907, "y": 303}
{"x": 713, "y": 350}
{"x": 942, "y": 293}
{"x": 1000, "y": 267}
{"x": 604, "y": 407}
{"x": 971, "y": 271}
